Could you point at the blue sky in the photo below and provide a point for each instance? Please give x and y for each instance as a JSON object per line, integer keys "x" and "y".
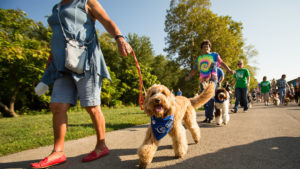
{"x": 272, "y": 26}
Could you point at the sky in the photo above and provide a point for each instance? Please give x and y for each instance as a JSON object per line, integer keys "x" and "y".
{"x": 271, "y": 26}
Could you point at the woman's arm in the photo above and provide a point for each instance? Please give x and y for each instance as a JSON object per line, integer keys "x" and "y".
{"x": 96, "y": 11}
{"x": 224, "y": 65}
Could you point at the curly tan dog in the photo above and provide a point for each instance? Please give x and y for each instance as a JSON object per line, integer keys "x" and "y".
{"x": 161, "y": 103}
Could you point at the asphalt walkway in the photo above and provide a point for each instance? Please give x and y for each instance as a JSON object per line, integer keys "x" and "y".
{"x": 263, "y": 138}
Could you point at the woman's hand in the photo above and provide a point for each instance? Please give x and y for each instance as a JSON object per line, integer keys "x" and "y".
{"x": 124, "y": 47}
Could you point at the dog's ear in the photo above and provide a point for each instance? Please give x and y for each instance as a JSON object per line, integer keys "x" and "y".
{"x": 217, "y": 94}
{"x": 172, "y": 100}
{"x": 226, "y": 95}
{"x": 146, "y": 103}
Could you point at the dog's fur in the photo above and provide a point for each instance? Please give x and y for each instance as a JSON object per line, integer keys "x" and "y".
{"x": 222, "y": 109}
{"x": 250, "y": 104}
{"x": 276, "y": 100}
{"x": 160, "y": 103}
{"x": 286, "y": 101}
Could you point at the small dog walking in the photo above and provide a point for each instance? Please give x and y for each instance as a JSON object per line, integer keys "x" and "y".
{"x": 286, "y": 101}
{"x": 222, "y": 106}
{"x": 276, "y": 100}
{"x": 167, "y": 113}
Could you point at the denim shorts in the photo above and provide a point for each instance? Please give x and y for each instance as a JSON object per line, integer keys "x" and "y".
{"x": 87, "y": 90}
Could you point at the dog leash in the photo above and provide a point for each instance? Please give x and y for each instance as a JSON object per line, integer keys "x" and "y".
{"x": 141, "y": 85}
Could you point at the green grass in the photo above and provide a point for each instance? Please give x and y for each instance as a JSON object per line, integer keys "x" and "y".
{"x": 32, "y": 131}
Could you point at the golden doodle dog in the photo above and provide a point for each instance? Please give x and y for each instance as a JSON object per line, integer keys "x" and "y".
{"x": 222, "y": 106}
{"x": 167, "y": 113}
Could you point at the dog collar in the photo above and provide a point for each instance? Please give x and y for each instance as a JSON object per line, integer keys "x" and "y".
{"x": 218, "y": 101}
{"x": 161, "y": 127}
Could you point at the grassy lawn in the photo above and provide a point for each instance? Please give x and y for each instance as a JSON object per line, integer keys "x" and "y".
{"x": 31, "y": 131}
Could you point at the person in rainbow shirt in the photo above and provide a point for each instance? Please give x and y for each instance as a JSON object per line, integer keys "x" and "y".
{"x": 207, "y": 65}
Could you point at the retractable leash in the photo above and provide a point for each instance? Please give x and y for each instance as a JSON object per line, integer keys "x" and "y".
{"x": 141, "y": 85}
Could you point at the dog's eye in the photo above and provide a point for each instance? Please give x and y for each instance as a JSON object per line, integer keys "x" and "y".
{"x": 164, "y": 93}
{"x": 152, "y": 94}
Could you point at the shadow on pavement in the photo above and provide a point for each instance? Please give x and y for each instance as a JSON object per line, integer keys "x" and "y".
{"x": 111, "y": 161}
{"x": 274, "y": 153}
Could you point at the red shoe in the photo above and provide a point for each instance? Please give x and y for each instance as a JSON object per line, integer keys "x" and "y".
{"x": 93, "y": 155}
{"x": 45, "y": 163}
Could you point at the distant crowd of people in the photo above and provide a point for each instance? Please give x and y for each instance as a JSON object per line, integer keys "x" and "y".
{"x": 277, "y": 91}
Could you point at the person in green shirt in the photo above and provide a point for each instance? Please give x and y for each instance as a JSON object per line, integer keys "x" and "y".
{"x": 265, "y": 87}
{"x": 241, "y": 81}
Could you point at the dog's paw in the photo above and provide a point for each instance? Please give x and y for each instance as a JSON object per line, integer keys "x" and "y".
{"x": 142, "y": 165}
{"x": 178, "y": 157}
{"x": 196, "y": 141}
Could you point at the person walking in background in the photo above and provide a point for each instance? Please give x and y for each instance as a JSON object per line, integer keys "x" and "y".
{"x": 173, "y": 92}
{"x": 273, "y": 86}
{"x": 207, "y": 64}
{"x": 297, "y": 90}
{"x": 68, "y": 85}
{"x": 221, "y": 75}
{"x": 282, "y": 86}
{"x": 292, "y": 94}
{"x": 209, "y": 107}
{"x": 241, "y": 81}
{"x": 265, "y": 87}
{"x": 258, "y": 93}
{"x": 179, "y": 93}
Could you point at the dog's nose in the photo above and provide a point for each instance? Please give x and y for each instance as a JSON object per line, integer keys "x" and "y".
{"x": 157, "y": 100}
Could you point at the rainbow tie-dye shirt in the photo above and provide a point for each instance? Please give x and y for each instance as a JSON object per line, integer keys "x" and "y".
{"x": 207, "y": 65}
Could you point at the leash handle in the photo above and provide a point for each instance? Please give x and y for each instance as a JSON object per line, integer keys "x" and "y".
{"x": 141, "y": 85}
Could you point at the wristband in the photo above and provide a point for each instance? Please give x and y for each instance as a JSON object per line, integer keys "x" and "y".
{"x": 118, "y": 36}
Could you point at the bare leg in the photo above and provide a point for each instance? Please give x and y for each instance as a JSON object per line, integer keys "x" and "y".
{"x": 99, "y": 125}
{"x": 60, "y": 119}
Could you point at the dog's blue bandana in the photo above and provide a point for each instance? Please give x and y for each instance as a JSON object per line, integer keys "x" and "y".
{"x": 161, "y": 127}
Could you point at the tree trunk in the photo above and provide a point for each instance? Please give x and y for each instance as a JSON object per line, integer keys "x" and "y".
{"x": 10, "y": 111}
{"x": 7, "y": 112}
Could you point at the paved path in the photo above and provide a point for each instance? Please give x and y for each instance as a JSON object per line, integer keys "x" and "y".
{"x": 263, "y": 138}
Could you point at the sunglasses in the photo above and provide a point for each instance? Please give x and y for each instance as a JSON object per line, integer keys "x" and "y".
{"x": 239, "y": 64}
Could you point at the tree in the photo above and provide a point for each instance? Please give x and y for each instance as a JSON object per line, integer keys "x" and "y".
{"x": 24, "y": 50}
{"x": 110, "y": 93}
{"x": 167, "y": 71}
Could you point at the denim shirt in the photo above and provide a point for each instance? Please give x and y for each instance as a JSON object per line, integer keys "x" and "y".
{"x": 80, "y": 26}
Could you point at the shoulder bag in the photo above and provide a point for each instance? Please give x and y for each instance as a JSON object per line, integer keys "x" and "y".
{"x": 75, "y": 52}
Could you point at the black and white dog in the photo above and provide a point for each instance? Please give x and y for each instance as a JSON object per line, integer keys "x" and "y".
{"x": 222, "y": 106}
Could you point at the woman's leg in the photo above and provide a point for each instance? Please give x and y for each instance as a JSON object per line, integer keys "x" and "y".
{"x": 99, "y": 125}
{"x": 60, "y": 121}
